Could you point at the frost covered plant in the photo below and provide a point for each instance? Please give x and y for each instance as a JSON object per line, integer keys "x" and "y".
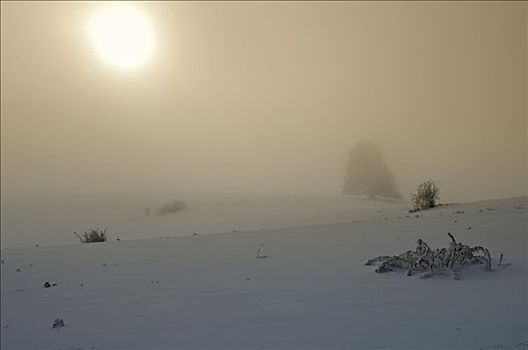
{"x": 91, "y": 236}
{"x": 434, "y": 262}
{"x": 426, "y": 196}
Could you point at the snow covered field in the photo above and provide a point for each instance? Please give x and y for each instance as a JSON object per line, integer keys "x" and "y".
{"x": 51, "y": 219}
{"x": 312, "y": 292}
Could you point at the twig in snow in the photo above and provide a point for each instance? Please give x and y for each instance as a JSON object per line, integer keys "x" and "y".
{"x": 258, "y": 252}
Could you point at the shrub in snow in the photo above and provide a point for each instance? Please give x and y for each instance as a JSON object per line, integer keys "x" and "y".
{"x": 91, "y": 236}
{"x": 58, "y": 323}
{"x": 426, "y": 196}
{"x": 434, "y": 262}
{"x": 171, "y": 207}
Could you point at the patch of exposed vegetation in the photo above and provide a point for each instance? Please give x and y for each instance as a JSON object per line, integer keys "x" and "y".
{"x": 431, "y": 262}
{"x": 171, "y": 207}
{"x": 92, "y": 236}
{"x": 427, "y": 196}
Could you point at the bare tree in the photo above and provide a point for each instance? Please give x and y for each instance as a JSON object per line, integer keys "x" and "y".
{"x": 368, "y": 174}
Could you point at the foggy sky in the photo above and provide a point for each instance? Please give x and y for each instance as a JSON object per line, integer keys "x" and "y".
{"x": 268, "y": 97}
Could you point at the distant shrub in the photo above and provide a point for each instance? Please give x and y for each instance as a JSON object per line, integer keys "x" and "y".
{"x": 58, "y": 323}
{"x": 171, "y": 207}
{"x": 91, "y": 236}
{"x": 426, "y": 196}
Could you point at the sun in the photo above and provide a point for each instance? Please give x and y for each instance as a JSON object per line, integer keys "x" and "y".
{"x": 122, "y": 36}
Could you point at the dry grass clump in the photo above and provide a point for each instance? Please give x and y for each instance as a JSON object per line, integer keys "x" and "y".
{"x": 452, "y": 259}
{"x": 426, "y": 196}
{"x": 92, "y": 236}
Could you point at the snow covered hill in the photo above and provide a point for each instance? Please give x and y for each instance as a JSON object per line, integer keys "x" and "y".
{"x": 51, "y": 219}
{"x": 312, "y": 291}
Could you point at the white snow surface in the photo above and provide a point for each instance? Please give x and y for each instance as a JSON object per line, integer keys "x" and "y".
{"x": 312, "y": 292}
{"x": 51, "y": 219}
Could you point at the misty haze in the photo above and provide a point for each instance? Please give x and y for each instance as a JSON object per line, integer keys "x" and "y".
{"x": 250, "y": 175}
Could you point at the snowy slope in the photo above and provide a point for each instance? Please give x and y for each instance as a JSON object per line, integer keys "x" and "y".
{"x": 313, "y": 292}
{"x": 51, "y": 219}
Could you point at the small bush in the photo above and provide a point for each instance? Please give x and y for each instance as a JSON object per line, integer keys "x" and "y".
{"x": 426, "y": 196}
{"x": 95, "y": 235}
{"x": 171, "y": 207}
{"x": 58, "y": 323}
{"x": 433, "y": 262}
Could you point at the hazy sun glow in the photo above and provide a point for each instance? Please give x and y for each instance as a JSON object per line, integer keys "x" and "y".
{"x": 122, "y": 36}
